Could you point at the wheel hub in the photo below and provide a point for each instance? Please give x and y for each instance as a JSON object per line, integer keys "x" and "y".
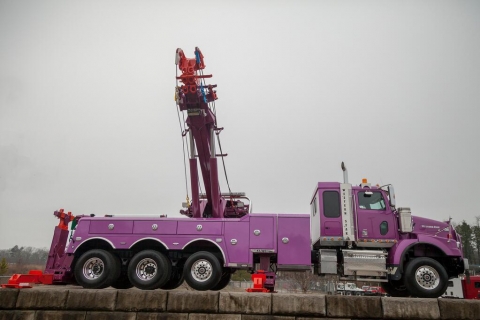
{"x": 146, "y": 269}
{"x": 202, "y": 270}
{"x": 93, "y": 268}
{"x": 427, "y": 277}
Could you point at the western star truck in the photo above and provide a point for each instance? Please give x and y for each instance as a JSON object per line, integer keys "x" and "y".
{"x": 354, "y": 231}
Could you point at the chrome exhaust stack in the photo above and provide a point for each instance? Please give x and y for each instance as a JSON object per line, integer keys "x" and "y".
{"x": 345, "y": 173}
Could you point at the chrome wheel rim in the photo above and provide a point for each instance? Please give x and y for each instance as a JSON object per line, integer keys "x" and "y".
{"x": 202, "y": 270}
{"x": 427, "y": 277}
{"x": 146, "y": 269}
{"x": 93, "y": 268}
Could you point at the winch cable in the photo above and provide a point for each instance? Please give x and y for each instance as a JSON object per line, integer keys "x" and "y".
{"x": 206, "y": 150}
{"x": 202, "y": 84}
{"x": 223, "y": 162}
{"x": 181, "y": 132}
{"x": 214, "y": 110}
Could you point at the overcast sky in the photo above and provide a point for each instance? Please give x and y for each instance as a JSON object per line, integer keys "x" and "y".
{"x": 88, "y": 121}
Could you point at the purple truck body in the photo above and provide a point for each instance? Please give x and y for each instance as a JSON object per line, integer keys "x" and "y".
{"x": 235, "y": 238}
{"x": 257, "y": 241}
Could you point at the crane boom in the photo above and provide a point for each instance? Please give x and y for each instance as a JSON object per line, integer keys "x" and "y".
{"x": 194, "y": 98}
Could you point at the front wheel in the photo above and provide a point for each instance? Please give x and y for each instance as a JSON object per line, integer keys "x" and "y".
{"x": 202, "y": 271}
{"x": 96, "y": 269}
{"x": 149, "y": 270}
{"x": 426, "y": 278}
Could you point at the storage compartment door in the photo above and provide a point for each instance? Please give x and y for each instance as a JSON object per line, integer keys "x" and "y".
{"x": 262, "y": 233}
{"x": 294, "y": 242}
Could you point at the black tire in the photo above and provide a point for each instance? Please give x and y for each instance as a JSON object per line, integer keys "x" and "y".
{"x": 122, "y": 283}
{"x": 202, "y": 271}
{"x": 425, "y": 278}
{"x": 224, "y": 281}
{"x": 149, "y": 270}
{"x": 96, "y": 269}
{"x": 175, "y": 281}
{"x": 395, "y": 288}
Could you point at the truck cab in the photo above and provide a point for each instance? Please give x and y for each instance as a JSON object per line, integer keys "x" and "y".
{"x": 342, "y": 214}
{"x": 358, "y": 233}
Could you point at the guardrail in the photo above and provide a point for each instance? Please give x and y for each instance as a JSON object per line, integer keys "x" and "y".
{"x": 64, "y": 303}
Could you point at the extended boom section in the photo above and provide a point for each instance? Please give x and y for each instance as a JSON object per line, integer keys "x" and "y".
{"x": 195, "y": 98}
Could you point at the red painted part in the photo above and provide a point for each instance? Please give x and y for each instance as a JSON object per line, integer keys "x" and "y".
{"x": 189, "y": 65}
{"x": 381, "y": 291}
{"x": 258, "y": 279}
{"x": 374, "y": 291}
{"x": 26, "y": 280}
{"x": 471, "y": 289}
{"x": 65, "y": 218}
{"x": 190, "y": 77}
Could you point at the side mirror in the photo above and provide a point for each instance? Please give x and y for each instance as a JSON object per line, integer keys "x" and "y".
{"x": 391, "y": 195}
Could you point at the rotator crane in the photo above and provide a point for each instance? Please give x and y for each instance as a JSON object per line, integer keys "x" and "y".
{"x": 195, "y": 97}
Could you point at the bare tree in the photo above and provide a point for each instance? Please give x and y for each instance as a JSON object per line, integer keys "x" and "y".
{"x": 303, "y": 279}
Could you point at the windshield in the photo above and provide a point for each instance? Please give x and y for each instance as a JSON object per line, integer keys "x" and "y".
{"x": 371, "y": 200}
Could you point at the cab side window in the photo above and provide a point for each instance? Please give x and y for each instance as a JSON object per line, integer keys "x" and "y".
{"x": 371, "y": 200}
{"x": 331, "y": 204}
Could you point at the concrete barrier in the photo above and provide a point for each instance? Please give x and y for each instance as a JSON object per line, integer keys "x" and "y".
{"x": 108, "y": 304}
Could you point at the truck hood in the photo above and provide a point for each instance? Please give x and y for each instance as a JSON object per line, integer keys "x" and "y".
{"x": 431, "y": 227}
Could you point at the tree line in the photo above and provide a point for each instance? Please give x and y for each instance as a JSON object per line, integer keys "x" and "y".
{"x": 470, "y": 240}
{"x": 22, "y": 259}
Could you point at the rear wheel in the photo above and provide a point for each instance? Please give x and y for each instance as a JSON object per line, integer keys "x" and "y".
{"x": 426, "y": 278}
{"x": 224, "y": 281}
{"x": 149, "y": 270}
{"x": 202, "y": 271}
{"x": 122, "y": 283}
{"x": 96, "y": 269}
{"x": 175, "y": 281}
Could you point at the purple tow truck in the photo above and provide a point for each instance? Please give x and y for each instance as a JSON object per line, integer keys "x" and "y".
{"x": 355, "y": 232}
